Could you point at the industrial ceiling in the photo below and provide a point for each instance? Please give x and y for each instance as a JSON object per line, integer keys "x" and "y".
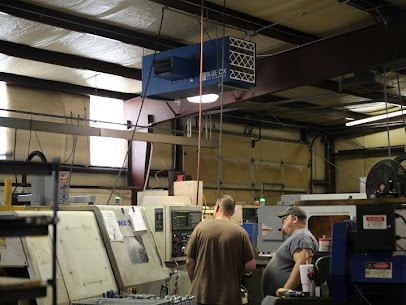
{"x": 319, "y": 64}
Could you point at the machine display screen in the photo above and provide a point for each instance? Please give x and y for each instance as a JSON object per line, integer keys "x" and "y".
{"x": 180, "y": 220}
{"x": 185, "y": 220}
{"x": 136, "y": 249}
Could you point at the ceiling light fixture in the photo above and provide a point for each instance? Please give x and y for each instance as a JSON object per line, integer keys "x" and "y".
{"x": 376, "y": 118}
{"x": 206, "y": 98}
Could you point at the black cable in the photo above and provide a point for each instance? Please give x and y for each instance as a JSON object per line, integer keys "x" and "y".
{"x": 400, "y": 216}
{"x": 29, "y": 139}
{"x": 14, "y": 156}
{"x": 73, "y": 136}
{"x": 35, "y": 153}
{"x": 395, "y": 55}
{"x": 301, "y": 141}
{"x": 361, "y": 294}
{"x": 75, "y": 139}
{"x": 39, "y": 143}
{"x": 401, "y": 248}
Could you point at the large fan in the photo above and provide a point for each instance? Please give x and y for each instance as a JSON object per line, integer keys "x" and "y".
{"x": 384, "y": 178}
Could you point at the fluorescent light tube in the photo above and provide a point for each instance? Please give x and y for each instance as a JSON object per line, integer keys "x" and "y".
{"x": 376, "y": 118}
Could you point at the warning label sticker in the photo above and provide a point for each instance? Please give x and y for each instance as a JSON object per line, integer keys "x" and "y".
{"x": 374, "y": 222}
{"x": 382, "y": 270}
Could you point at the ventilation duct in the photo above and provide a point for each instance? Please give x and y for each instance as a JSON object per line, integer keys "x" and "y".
{"x": 174, "y": 74}
{"x": 366, "y": 82}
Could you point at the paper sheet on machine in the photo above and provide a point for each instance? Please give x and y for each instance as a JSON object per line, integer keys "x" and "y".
{"x": 111, "y": 224}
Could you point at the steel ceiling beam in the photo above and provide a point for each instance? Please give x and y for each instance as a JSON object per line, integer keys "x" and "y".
{"x": 67, "y": 60}
{"x": 129, "y": 135}
{"x": 332, "y": 57}
{"x": 377, "y": 8}
{"x": 71, "y": 22}
{"x": 373, "y": 96}
{"x": 240, "y": 20}
{"x": 315, "y": 62}
{"x": 35, "y": 83}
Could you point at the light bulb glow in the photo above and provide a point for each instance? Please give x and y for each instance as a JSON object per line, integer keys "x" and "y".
{"x": 206, "y": 98}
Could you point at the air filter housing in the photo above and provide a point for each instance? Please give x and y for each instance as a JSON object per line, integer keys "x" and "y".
{"x": 174, "y": 74}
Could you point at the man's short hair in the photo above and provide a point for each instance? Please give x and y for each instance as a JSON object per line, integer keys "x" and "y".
{"x": 226, "y": 203}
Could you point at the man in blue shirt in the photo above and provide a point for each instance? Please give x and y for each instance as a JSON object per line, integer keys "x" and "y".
{"x": 282, "y": 270}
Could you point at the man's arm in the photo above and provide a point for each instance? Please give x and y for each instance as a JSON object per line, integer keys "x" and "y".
{"x": 190, "y": 267}
{"x": 299, "y": 257}
{"x": 250, "y": 266}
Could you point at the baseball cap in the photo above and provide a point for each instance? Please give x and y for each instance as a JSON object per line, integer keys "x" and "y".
{"x": 296, "y": 211}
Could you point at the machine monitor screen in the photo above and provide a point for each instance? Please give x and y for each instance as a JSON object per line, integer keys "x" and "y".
{"x": 180, "y": 220}
{"x": 136, "y": 249}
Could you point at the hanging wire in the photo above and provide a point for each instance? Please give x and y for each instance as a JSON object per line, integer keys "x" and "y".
{"x": 220, "y": 157}
{"x": 39, "y": 143}
{"x": 384, "y": 22}
{"x": 139, "y": 113}
{"x": 75, "y": 139}
{"x": 385, "y": 97}
{"x": 14, "y": 156}
{"x": 304, "y": 143}
{"x": 200, "y": 104}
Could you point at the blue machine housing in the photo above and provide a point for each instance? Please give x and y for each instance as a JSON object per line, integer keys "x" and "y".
{"x": 174, "y": 74}
{"x": 381, "y": 276}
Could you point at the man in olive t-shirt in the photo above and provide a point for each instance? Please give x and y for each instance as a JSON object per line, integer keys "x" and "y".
{"x": 218, "y": 253}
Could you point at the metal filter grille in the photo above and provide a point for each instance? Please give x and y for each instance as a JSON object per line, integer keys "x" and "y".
{"x": 242, "y": 60}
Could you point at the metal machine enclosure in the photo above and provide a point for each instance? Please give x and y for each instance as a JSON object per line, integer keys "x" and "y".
{"x": 175, "y": 74}
{"x": 172, "y": 226}
{"x": 375, "y": 269}
{"x": 83, "y": 267}
{"x": 376, "y": 222}
{"x": 131, "y": 247}
{"x": 269, "y": 236}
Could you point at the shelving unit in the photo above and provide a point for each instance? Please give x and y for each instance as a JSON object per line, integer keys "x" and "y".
{"x": 11, "y": 288}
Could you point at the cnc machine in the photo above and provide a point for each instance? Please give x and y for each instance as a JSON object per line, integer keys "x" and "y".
{"x": 99, "y": 249}
{"x": 172, "y": 226}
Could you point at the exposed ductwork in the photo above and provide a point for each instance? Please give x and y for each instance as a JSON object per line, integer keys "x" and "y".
{"x": 366, "y": 82}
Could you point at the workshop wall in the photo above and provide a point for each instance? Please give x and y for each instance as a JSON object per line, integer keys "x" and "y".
{"x": 272, "y": 161}
{"x": 23, "y": 103}
{"x": 353, "y": 166}
{"x": 275, "y": 162}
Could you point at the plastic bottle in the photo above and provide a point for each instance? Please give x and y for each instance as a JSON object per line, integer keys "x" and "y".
{"x": 325, "y": 290}
{"x": 262, "y": 201}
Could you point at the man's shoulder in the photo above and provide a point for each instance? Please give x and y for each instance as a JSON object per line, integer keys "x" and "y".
{"x": 303, "y": 232}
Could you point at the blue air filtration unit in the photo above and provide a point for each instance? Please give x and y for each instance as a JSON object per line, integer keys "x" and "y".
{"x": 174, "y": 74}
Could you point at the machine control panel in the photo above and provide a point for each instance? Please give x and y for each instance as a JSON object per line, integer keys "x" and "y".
{"x": 172, "y": 227}
{"x": 250, "y": 214}
{"x": 185, "y": 220}
{"x": 159, "y": 220}
{"x": 183, "y": 223}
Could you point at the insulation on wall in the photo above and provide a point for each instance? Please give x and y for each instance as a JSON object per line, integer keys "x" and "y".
{"x": 53, "y": 104}
{"x": 249, "y": 168}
